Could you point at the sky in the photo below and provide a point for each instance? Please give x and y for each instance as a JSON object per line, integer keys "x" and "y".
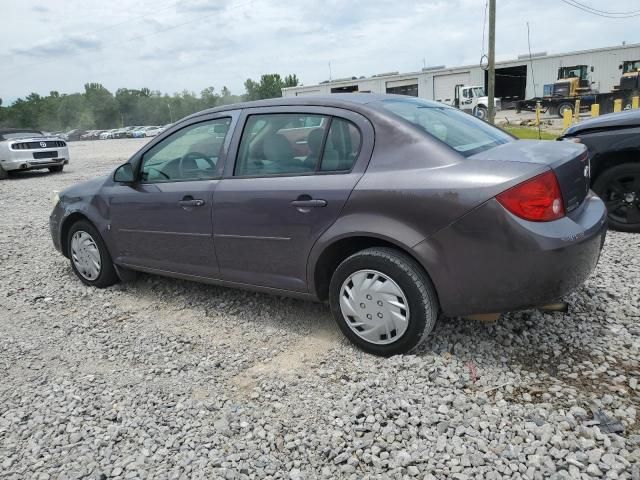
{"x": 173, "y": 45}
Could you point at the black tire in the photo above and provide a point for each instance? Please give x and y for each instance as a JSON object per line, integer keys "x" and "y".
{"x": 616, "y": 186}
{"x": 56, "y": 169}
{"x": 107, "y": 275}
{"x": 562, "y": 107}
{"x": 415, "y": 285}
{"x": 3, "y": 174}
{"x": 481, "y": 112}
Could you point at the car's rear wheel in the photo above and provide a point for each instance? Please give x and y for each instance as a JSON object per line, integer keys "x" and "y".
{"x": 3, "y": 174}
{"x": 90, "y": 259}
{"x": 56, "y": 169}
{"x": 619, "y": 188}
{"x": 383, "y": 301}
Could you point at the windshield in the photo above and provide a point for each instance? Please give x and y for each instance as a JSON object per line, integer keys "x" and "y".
{"x": 631, "y": 66}
{"x": 463, "y": 132}
{"x": 17, "y": 135}
{"x": 478, "y": 91}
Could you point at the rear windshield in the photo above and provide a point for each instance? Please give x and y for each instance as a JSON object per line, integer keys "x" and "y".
{"x": 465, "y": 133}
{"x": 18, "y": 135}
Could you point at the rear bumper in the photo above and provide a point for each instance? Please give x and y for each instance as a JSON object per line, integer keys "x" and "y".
{"x": 31, "y": 164}
{"x": 491, "y": 261}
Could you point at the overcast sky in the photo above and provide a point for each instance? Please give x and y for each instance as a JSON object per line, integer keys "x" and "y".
{"x": 171, "y": 45}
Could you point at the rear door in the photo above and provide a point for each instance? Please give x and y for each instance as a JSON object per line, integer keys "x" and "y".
{"x": 273, "y": 203}
{"x": 162, "y": 221}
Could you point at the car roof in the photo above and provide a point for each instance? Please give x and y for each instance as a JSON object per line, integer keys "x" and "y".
{"x": 351, "y": 101}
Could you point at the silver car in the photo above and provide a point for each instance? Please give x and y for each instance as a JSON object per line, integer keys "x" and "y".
{"x": 24, "y": 149}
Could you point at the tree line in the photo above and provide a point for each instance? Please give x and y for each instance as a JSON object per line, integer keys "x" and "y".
{"x": 98, "y": 108}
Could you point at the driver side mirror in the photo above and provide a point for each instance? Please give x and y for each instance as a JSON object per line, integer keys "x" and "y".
{"x": 124, "y": 174}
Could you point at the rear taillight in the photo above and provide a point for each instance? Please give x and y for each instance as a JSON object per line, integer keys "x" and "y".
{"x": 538, "y": 199}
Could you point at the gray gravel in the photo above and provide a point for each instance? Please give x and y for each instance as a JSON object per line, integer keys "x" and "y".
{"x": 170, "y": 379}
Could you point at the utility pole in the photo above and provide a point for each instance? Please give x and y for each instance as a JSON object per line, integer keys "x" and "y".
{"x": 492, "y": 61}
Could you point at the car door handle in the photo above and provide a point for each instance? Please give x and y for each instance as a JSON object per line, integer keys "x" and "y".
{"x": 193, "y": 202}
{"x": 309, "y": 203}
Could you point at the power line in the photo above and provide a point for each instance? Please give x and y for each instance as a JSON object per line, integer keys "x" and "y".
{"x": 483, "y": 55}
{"x": 599, "y": 13}
{"x": 604, "y": 11}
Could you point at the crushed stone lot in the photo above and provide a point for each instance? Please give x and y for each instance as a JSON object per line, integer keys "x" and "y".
{"x": 163, "y": 378}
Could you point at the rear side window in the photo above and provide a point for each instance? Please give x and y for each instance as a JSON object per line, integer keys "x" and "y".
{"x": 464, "y": 133}
{"x": 342, "y": 146}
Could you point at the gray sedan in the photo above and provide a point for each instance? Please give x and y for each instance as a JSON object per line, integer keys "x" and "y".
{"x": 395, "y": 210}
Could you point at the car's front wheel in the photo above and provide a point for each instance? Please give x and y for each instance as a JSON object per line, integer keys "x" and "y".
{"x": 619, "y": 188}
{"x": 90, "y": 259}
{"x": 3, "y": 174}
{"x": 383, "y": 301}
{"x": 56, "y": 169}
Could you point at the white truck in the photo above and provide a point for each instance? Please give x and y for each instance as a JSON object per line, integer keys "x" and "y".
{"x": 472, "y": 99}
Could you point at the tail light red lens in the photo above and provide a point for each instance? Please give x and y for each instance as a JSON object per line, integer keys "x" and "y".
{"x": 538, "y": 199}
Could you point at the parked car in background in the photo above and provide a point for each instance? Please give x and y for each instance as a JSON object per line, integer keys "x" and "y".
{"x": 90, "y": 135}
{"x": 25, "y": 149}
{"x": 131, "y": 131}
{"x": 119, "y": 133}
{"x": 392, "y": 208}
{"x": 107, "y": 134}
{"x": 73, "y": 135}
{"x": 613, "y": 141}
{"x": 152, "y": 131}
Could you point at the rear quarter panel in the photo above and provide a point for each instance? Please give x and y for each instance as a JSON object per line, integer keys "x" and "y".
{"x": 414, "y": 187}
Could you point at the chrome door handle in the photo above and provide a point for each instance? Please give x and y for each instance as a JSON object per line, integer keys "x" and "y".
{"x": 309, "y": 203}
{"x": 191, "y": 203}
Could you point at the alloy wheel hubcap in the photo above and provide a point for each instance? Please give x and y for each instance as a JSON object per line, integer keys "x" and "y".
{"x": 622, "y": 198}
{"x": 374, "y": 306}
{"x": 85, "y": 255}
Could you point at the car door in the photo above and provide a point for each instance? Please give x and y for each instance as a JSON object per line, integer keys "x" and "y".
{"x": 273, "y": 204}
{"x": 162, "y": 222}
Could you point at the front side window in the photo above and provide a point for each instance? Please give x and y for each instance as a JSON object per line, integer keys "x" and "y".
{"x": 191, "y": 153}
{"x": 281, "y": 144}
{"x": 463, "y": 132}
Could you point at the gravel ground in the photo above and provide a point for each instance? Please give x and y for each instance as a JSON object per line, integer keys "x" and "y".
{"x": 170, "y": 379}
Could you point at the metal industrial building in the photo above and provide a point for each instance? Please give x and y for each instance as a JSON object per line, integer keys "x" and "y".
{"x": 514, "y": 78}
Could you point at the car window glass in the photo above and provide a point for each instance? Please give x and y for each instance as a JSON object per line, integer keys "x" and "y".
{"x": 342, "y": 146}
{"x": 281, "y": 144}
{"x": 189, "y": 154}
{"x": 463, "y": 132}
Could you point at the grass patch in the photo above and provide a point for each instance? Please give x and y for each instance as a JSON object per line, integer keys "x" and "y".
{"x": 530, "y": 133}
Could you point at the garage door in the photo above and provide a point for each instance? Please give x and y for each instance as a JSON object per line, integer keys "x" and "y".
{"x": 444, "y": 86}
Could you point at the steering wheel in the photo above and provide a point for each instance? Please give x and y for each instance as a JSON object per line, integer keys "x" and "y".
{"x": 194, "y": 156}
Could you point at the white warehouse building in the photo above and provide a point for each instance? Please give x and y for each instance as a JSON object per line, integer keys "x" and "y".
{"x": 514, "y": 78}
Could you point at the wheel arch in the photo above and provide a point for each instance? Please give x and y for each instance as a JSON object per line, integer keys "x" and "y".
{"x": 607, "y": 160}
{"x": 339, "y": 249}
